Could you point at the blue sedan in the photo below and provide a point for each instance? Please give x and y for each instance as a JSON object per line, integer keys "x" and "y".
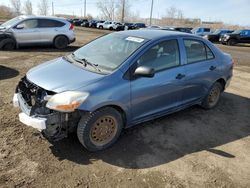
{"x": 120, "y": 80}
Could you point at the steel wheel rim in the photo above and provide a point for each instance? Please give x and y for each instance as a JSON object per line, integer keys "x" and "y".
{"x": 214, "y": 96}
{"x": 103, "y": 131}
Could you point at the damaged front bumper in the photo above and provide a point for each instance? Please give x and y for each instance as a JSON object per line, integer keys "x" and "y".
{"x": 53, "y": 124}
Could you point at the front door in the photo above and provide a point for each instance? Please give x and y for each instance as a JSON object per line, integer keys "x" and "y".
{"x": 27, "y": 32}
{"x": 152, "y": 96}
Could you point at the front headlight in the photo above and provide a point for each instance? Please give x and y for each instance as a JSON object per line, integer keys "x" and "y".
{"x": 67, "y": 101}
{"x": 205, "y": 36}
{"x": 227, "y": 36}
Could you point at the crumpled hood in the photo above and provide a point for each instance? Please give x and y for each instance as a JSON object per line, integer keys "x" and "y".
{"x": 59, "y": 75}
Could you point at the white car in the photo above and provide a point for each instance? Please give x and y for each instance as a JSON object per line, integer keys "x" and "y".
{"x": 108, "y": 25}
{"x": 37, "y": 30}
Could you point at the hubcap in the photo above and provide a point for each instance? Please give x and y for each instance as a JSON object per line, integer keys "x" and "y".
{"x": 214, "y": 96}
{"x": 103, "y": 130}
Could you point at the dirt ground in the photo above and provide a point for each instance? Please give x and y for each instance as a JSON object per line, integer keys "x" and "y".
{"x": 191, "y": 148}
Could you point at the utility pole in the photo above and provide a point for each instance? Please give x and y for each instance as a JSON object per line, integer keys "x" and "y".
{"x": 53, "y": 13}
{"x": 151, "y": 12}
{"x": 123, "y": 10}
{"x": 84, "y": 8}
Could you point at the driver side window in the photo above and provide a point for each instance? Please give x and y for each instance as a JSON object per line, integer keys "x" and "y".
{"x": 161, "y": 56}
{"x": 29, "y": 24}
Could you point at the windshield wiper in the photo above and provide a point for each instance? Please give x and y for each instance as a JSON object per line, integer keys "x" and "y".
{"x": 86, "y": 62}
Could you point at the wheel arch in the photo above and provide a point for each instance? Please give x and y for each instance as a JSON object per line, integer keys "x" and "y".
{"x": 222, "y": 81}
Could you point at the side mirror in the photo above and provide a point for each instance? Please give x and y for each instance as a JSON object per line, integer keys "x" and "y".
{"x": 144, "y": 72}
{"x": 21, "y": 26}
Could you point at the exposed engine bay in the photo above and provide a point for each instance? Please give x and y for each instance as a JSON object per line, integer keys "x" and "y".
{"x": 32, "y": 101}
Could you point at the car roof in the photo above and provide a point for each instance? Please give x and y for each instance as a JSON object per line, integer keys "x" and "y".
{"x": 154, "y": 34}
{"x": 44, "y": 17}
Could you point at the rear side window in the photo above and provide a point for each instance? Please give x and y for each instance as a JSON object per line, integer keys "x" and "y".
{"x": 45, "y": 23}
{"x": 161, "y": 56}
{"x": 197, "y": 51}
{"x": 206, "y": 30}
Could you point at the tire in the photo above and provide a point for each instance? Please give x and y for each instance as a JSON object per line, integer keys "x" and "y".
{"x": 8, "y": 44}
{"x": 111, "y": 28}
{"x": 61, "y": 42}
{"x": 100, "y": 27}
{"x": 92, "y": 126}
{"x": 213, "y": 96}
{"x": 232, "y": 42}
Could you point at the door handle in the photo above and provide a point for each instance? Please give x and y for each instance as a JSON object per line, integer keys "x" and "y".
{"x": 180, "y": 76}
{"x": 212, "y": 68}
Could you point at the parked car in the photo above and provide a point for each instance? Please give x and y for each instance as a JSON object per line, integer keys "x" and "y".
{"x": 238, "y": 36}
{"x": 138, "y": 26}
{"x": 93, "y": 23}
{"x": 215, "y": 36}
{"x": 99, "y": 90}
{"x": 180, "y": 29}
{"x": 110, "y": 25}
{"x": 78, "y": 22}
{"x": 100, "y": 25}
{"x": 37, "y": 30}
{"x": 201, "y": 31}
{"x": 128, "y": 26}
{"x": 85, "y": 24}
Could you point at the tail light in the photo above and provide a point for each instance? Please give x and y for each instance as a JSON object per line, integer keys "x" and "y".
{"x": 71, "y": 27}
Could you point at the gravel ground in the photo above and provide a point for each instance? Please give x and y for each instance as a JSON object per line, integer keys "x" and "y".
{"x": 191, "y": 148}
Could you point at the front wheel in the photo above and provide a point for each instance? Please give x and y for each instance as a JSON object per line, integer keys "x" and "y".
{"x": 100, "y": 129}
{"x": 8, "y": 44}
{"x": 213, "y": 96}
{"x": 232, "y": 42}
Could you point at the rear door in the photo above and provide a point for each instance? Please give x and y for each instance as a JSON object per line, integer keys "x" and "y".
{"x": 27, "y": 32}
{"x": 200, "y": 68}
{"x": 48, "y": 29}
{"x": 162, "y": 92}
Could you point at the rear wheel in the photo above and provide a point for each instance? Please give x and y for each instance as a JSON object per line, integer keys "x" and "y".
{"x": 213, "y": 96}
{"x": 8, "y": 44}
{"x": 100, "y": 27}
{"x": 100, "y": 129}
{"x": 61, "y": 42}
{"x": 232, "y": 42}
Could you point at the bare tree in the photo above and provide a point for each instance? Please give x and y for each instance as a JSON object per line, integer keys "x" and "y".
{"x": 43, "y": 7}
{"x": 123, "y": 10}
{"x": 28, "y": 9}
{"x": 16, "y": 4}
{"x": 5, "y": 12}
{"x": 107, "y": 9}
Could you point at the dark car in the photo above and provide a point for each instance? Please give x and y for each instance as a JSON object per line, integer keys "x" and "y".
{"x": 138, "y": 25}
{"x": 238, "y": 36}
{"x": 180, "y": 29}
{"x": 128, "y": 26}
{"x": 215, "y": 36}
{"x": 78, "y": 22}
{"x": 85, "y": 24}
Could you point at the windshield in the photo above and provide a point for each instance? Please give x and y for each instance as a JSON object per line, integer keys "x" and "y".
{"x": 12, "y": 22}
{"x": 109, "y": 51}
{"x": 237, "y": 32}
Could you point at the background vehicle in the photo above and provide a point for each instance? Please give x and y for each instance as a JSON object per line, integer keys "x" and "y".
{"x": 78, "y": 22}
{"x": 138, "y": 25}
{"x": 201, "y": 31}
{"x": 238, "y": 36}
{"x": 138, "y": 76}
{"x": 93, "y": 23}
{"x": 38, "y": 30}
{"x": 85, "y": 24}
{"x": 128, "y": 26}
{"x": 215, "y": 36}
{"x": 180, "y": 29}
